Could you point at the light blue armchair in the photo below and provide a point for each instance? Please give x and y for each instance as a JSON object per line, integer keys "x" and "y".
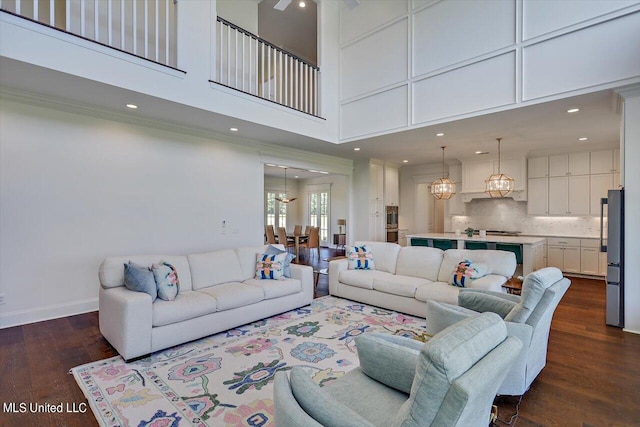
{"x": 527, "y": 317}
{"x": 449, "y": 381}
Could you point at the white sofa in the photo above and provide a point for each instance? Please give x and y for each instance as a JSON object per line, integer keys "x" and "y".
{"x": 405, "y": 278}
{"x": 218, "y": 291}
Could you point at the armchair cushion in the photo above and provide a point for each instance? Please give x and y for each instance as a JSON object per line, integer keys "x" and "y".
{"x": 482, "y": 302}
{"x": 321, "y": 406}
{"x": 389, "y": 359}
{"x": 446, "y": 357}
{"x": 533, "y": 288}
{"x": 441, "y": 315}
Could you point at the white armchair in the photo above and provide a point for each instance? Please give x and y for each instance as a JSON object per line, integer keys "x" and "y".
{"x": 528, "y": 318}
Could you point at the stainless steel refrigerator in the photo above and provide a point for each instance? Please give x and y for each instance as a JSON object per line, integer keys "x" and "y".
{"x": 613, "y": 243}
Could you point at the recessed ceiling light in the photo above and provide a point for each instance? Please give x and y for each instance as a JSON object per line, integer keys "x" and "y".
{"x": 302, "y": 4}
{"x": 405, "y": 161}
{"x": 573, "y": 110}
{"x": 439, "y": 134}
{"x": 582, "y": 138}
{"x": 270, "y": 164}
{"x": 233, "y": 129}
{"x": 482, "y": 152}
{"x": 132, "y": 106}
{"x": 296, "y": 177}
{"x": 356, "y": 149}
{"x": 478, "y": 152}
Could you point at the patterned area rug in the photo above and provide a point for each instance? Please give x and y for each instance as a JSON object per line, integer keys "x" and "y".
{"x": 227, "y": 379}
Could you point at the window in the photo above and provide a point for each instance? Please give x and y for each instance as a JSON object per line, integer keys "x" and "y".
{"x": 275, "y": 212}
{"x": 319, "y": 213}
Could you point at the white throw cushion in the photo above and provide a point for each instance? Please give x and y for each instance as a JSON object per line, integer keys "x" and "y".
{"x": 362, "y": 278}
{"x": 233, "y": 295}
{"x": 187, "y": 305}
{"x": 247, "y": 259}
{"x": 385, "y": 255}
{"x": 420, "y": 261}
{"x": 438, "y": 291}
{"x": 497, "y": 262}
{"x": 276, "y": 288}
{"x": 214, "y": 268}
{"x": 404, "y": 286}
{"x": 111, "y": 272}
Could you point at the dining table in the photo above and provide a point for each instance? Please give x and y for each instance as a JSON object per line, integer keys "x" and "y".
{"x": 297, "y": 239}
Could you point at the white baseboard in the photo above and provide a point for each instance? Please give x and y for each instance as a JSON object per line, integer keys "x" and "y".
{"x": 55, "y": 311}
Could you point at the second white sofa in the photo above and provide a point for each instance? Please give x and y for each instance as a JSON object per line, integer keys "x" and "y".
{"x": 405, "y": 278}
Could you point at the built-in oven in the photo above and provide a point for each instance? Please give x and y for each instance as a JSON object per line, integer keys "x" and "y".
{"x": 392, "y": 235}
{"x": 392, "y": 217}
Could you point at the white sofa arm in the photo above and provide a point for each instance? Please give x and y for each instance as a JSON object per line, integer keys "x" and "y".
{"x": 126, "y": 320}
{"x": 335, "y": 267}
{"x": 304, "y": 273}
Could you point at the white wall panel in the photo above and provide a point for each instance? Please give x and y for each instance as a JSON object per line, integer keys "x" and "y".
{"x": 450, "y": 32}
{"x": 486, "y": 84}
{"x": 541, "y": 17}
{"x": 369, "y": 15}
{"x": 363, "y": 67}
{"x": 383, "y": 111}
{"x": 419, "y": 3}
{"x": 590, "y": 57}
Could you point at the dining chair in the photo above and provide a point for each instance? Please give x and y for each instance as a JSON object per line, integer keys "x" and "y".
{"x": 313, "y": 242}
{"x": 297, "y": 230}
{"x": 283, "y": 240}
{"x": 271, "y": 236}
{"x": 307, "y": 230}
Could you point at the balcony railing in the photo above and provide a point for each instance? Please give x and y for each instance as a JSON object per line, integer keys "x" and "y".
{"x": 145, "y": 28}
{"x": 252, "y": 65}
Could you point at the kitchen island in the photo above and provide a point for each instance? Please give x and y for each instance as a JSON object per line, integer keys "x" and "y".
{"x": 530, "y": 247}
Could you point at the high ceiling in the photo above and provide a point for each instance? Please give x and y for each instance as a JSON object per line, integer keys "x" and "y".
{"x": 538, "y": 129}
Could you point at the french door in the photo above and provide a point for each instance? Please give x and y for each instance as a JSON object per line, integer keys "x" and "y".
{"x": 275, "y": 211}
{"x": 319, "y": 213}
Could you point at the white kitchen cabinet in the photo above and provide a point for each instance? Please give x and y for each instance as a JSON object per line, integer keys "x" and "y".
{"x": 391, "y": 186}
{"x": 474, "y": 174}
{"x": 569, "y": 195}
{"x": 558, "y": 196}
{"x": 599, "y": 186}
{"x": 564, "y": 253}
{"x": 589, "y": 261}
{"x": 377, "y": 219}
{"x": 569, "y": 164}
{"x": 616, "y": 160}
{"x": 376, "y": 175}
{"x": 538, "y": 196}
{"x": 538, "y": 167}
{"x": 616, "y": 181}
{"x": 602, "y": 161}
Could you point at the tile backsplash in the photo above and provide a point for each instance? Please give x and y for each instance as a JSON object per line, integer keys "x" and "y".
{"x": 508, "y": 215}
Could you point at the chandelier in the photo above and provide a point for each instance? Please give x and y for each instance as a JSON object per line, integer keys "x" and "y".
{"x": 498, "y": 184}
{"x": 285, "y": 199}
{"x": 443, "y": 188}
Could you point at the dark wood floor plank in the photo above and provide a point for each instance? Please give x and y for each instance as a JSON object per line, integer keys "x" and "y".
{"x": 592, "y": 377}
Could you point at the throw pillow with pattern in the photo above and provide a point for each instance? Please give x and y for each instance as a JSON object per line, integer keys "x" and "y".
{"x": 272, "y": 250}
{"x": 360, "y": 258}
{"x": 466, "y": 271}
{"x": 167, "y": 281}
{"x": 270, "y": 267}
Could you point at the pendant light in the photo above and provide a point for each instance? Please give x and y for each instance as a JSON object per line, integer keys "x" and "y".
{"x": 285, "y": 199}
{"x": 499, "y": 184}
{"x": 443, "y": 188}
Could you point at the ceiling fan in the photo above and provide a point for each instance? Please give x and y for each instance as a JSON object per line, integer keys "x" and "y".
{"x": 282, "y": 4}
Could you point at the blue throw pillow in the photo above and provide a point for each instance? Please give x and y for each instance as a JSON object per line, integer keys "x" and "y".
{"x": 139, "y": 278}
{"x": 167, "y": 281}
{"x": 272, "y": 250}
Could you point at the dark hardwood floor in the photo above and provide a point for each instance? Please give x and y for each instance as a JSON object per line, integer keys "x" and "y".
{"x": 592, "y": 377}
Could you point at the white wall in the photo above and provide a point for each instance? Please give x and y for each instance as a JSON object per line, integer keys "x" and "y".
{"x": 76, "y": 189}
{"x": 428, "y": 62}
{"x": 410, "y": 176}
{"x": 243, "y": 13}
{"x": 631, "y": 182}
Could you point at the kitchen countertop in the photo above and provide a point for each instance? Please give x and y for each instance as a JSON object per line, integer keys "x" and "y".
{"x": 523, "y": 240}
